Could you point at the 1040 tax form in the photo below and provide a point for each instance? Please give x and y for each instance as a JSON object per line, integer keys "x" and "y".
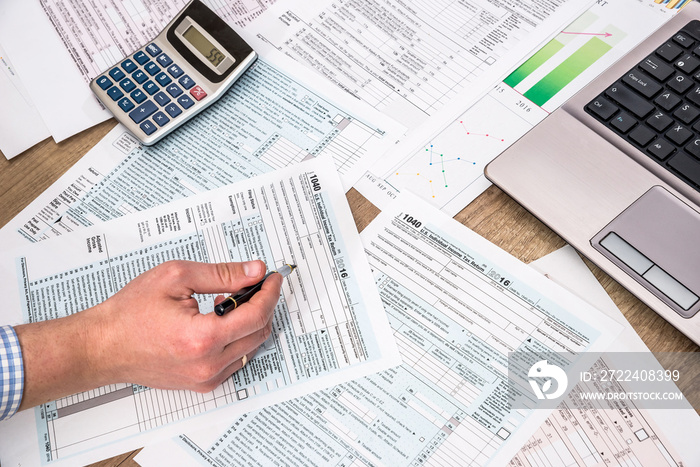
{"x": 457, "y": 306}
{"x": 329, "y": 325}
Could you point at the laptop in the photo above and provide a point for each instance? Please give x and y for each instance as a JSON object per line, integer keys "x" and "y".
{"x": 616, "y": 171}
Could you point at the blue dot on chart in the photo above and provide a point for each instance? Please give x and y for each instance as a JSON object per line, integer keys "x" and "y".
{"x": 431, "y": 163}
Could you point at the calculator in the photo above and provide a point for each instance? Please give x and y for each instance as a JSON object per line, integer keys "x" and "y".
{"x": 185, "y": 69}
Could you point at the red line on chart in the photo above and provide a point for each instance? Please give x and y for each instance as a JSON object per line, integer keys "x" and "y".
{"x": 479, "y": 134}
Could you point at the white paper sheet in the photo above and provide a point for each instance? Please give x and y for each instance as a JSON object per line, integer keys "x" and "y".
{"x": 413, "y": 58}
{"x": 268, "y": 120}
{"x": 60, "y": 46}
{"x": 457, "y": 305}
{"x": 21, "y": 126}
{"x": 329, "y": 325}
{"x": 607, "y": 436}
{"x": 444, "y": 162}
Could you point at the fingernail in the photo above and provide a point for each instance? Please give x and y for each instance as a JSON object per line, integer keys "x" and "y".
{"x": 252, "y": 268}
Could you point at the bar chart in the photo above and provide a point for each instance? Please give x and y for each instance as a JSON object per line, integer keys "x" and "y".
{"x": 563, "y": 59}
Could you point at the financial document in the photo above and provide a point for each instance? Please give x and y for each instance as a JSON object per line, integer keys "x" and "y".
{"x": 457, "y": 305}
{"x": 444, "y": 162}
{"x": 22, "y": 127}
{"x": 60, "y": 46}
{"x": 410, "y": 58}
{"x": 268, "y": 120}
{"x": 601, "y": 433}
{"x": 329, "y": 324}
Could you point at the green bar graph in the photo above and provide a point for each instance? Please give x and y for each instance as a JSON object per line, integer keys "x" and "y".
{"x": 569, "y": 69}
{"x": 533, "y": 63}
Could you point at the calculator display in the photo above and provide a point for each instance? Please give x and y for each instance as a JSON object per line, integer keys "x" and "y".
{"x": 204, "y": 46}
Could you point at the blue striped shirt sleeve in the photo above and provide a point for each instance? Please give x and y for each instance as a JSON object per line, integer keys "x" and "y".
{"x": 11, "y": 372}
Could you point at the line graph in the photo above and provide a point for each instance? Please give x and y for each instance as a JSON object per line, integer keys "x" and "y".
{"x": 446, "y": 162}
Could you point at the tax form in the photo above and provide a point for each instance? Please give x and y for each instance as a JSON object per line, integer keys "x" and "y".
{"x": 410, "y": 58}
{"x": 599, "y": 433}
{"x": 60, "y": 46}
{"x": 329, "y": 325}
{"x": 457, "y": 305}
{"x": 268, "y": 120}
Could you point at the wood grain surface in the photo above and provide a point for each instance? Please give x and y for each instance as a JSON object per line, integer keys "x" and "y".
{"x": 493, "y": 215}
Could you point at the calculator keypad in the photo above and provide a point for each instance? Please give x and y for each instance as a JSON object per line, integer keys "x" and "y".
{"x": 150, "y": 88}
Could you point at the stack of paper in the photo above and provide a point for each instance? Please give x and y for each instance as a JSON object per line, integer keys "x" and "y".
{"x": 341, "y": 83}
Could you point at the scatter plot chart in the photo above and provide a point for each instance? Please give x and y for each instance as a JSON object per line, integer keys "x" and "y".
{"x": 444, "y": 169}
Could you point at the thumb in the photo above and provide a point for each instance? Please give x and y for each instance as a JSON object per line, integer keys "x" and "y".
{"x": 194, "y": 277}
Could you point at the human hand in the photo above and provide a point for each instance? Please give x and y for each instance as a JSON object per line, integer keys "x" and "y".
{"x": 152, "y": 333}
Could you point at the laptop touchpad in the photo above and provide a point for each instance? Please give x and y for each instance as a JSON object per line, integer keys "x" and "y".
{"x": 656, "y": 241}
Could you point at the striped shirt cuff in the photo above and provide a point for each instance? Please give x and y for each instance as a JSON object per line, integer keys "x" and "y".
{"x": 11, "y": 372}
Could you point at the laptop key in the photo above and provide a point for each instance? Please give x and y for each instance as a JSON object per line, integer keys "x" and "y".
{"x": 642, "y": 135}
{"x": 679, "y": 134}
{"x": 683, "y": 40}
{"x": 667, "y": 101}
{"x": 694, "y": 148}
{"x": 669, "y": 51}
{"x": 659, "y": 121}
{"x": 688, "y": 64}
{"x": 694, "y": 95}
{"x": 629, "y": 100}
{"x": 623, "y": 122}
{"x": 661, "y": 149}
{"x": 642, "y": 83}
{"x": 686, "y": 113}
{"x": 680, "y": 83}
{"x": 603, "y": 108}
{"x": 656, "y": 68}
{"x": 687, "y": 166}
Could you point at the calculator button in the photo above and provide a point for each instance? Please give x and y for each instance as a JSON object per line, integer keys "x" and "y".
{"x": 175, "y": 71}
{"x": 139, "y": 76}
{"x": 129, "y": 66}
{"x": 185, "y": 101}
{"x": 163, "y": 79}
{"x": 151, "y": 68}
{"x": 173, "y": 110}
{"x": 143, "y": 111}
{"x": 160, "y": 118}
{"x": 104, "y": 82}
{"x": 161, "y": 98}
{"x": 186, "y": 82}
{"x": 153, "y": 49}
{"x": 174, "y": 90}
{"x": 141, "y": 57}
{"x": 115, "y": 93}
{"x": 148, "y": 127}
{"x": 127, "y": 85}
{"x": 138, "y": 96}
{"x": 116, "y": 74}
{"x": 150, "y": 87}
{"x": 164, "y": 60}
{"x": 198, "y": 93}
{"x": 125, "y": 104}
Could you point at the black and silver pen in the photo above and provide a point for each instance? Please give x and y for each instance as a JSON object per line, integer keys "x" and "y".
{"x": 234, "y": 301}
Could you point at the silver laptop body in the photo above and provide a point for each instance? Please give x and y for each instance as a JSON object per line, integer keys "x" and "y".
{"x": 609, "y": 199}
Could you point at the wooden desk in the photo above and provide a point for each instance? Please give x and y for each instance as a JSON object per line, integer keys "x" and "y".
{"x": 493, "y": 215}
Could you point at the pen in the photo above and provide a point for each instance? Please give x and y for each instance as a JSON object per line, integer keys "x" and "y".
{"x": 234, "y": 301}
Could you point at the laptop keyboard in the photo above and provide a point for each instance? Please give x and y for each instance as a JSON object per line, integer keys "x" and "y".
{"x": 656, "y": 105}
